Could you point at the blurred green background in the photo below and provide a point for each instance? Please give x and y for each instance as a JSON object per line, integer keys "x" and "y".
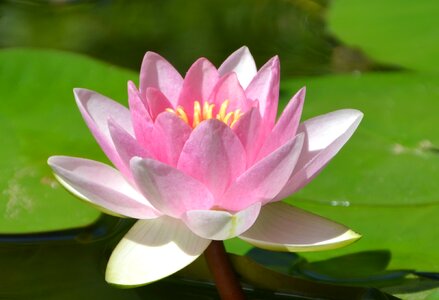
{"x": 120, "y": 32}
{"x": 381, "y": 57}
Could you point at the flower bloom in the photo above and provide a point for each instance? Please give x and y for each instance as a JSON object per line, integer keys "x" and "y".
{"x": 202, "y": 158}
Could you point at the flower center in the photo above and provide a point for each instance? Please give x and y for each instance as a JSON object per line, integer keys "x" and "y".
{"x": 207, "y": 112}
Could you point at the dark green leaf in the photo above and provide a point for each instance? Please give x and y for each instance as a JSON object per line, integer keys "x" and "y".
{"x": 361, "y": 268}
{"x": 61, "y": 265}
{"x": 282, "y": 262}
{"x": 358, "y": 264}
{"x": 263, "y": 277}
{"x": 431, "y": 275}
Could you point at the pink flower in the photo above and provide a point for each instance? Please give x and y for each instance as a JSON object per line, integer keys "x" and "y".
{"x": 202, "y": 158}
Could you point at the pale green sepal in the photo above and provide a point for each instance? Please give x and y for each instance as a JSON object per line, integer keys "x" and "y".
{"x": 153, "y": 249}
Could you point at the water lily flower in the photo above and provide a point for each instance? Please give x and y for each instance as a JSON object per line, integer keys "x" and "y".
{"x": 203, "y": 158}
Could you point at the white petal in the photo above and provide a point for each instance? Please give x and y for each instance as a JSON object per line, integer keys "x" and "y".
{"x": 152, "y": 250}
{"x": 242, "y": 63}
{"x": 323, "y": 130}
{"x": 281, "y": 227}
{"x": 101, "y": 185}
{"x": 96, "y": 109}
{"x": 325, "y": 135}
{"x": 221, "y": 225}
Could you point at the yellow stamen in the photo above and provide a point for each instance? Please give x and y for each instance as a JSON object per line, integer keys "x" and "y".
{"x": 182, "y": 114}
{"x": 209, "y": 112}
{"x": 197, "y": 114}
{"x": 205, "y": 109}
{"x": 206, "y": 113}
{"x": 227, "y": 117}
{"x": 222, "y": 111}
{"x": 236, "y": 115}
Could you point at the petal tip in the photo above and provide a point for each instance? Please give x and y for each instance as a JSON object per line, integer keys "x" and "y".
{"x": 79, "y": 93}
{"x": 355, "y": 114}
{"x": 202, "y": 62}
{"x": 354, "y": 236}
{"x": 51, "y": 160}
{"x": 82, "y": 96}
{"x": 56, "y": 161}
{"x": 244, "y": 50}
{"x": 340, "y": 241}
{"x": 151, "y": 54}
{"x": 131, "y": 85}
{"x": 76, "y": 90}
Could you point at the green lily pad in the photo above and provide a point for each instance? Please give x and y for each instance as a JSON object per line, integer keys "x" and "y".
{"x": 433, "y": 295}
{"x": 39, "y": 118}
{"x": 408, "y": 232}
{"x": 392, "y": 31}
{"x": 392, "y": 158}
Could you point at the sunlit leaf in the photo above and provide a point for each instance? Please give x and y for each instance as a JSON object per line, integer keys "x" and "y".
{"x": 402, "y": 33}
{"x": 39, "y": 118}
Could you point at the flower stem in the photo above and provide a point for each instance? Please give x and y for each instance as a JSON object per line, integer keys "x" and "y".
{"x": 221, "y": 268}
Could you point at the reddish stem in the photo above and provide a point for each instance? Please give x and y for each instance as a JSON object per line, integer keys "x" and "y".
{"x": 221, "y": 268}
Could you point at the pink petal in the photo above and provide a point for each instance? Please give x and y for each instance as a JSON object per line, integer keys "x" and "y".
{"x": 169, "y": 189}
{"x": 169, "y": 135}
{"x": 214, "y": 155}
{"x": 158, "y": 73}
{"x": 157, "y": 102}
{"x": 198, "y": 84}
{"x": 221, "y": 225}
{"x": 96, "y": 109}
{"x": 228, "y": 88}
{"x": 126, "y": 146}
{"x": 247, "y": 129}
{"x": 324, "y": 137}
{"x": 242, "y": 63}
{"x": 281, "y": 227}
{"x": 142, "y": 121}
{"x": 286, "y": 127}
{"x": 265, "y": 88}
{"x": 152, "y": 250}
{"x": 101, "y": 185}
{"x": 263, "y": 181}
